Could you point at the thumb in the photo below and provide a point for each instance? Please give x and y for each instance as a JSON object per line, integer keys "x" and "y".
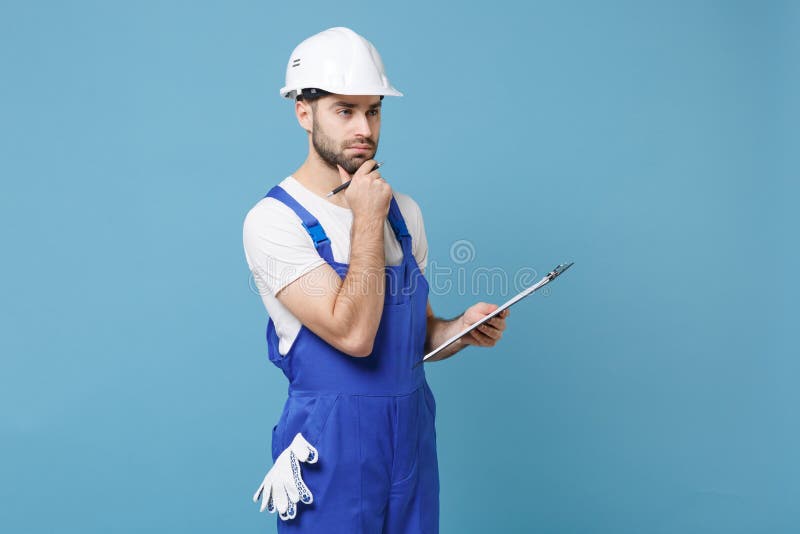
{"x": 343, "y": 175}
{"x": 485, "y": 307}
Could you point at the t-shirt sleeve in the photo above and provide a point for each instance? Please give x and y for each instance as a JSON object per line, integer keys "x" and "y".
{"x": 420, "y": 244}
{"x": 277, "y": 248}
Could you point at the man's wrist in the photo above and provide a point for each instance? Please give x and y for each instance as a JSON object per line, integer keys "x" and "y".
{"x": 366, "y": 223}
{"x": 447, "y": 329}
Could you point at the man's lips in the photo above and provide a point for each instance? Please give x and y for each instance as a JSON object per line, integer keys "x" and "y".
{"x": 360, "y": 147}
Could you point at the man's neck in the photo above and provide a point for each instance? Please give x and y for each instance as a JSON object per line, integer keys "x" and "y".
{"x": 316, "y": 176}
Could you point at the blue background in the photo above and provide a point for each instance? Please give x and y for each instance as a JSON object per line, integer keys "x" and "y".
{"x": 655, "y": 144}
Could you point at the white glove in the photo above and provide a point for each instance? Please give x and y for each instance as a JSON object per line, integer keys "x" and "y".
{"x": 283, "y": 486}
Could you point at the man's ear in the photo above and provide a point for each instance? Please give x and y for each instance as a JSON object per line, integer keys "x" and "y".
{"x": 303, "y": 112}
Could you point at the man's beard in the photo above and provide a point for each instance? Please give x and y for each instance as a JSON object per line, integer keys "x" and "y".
{"x": 333, "y": 155}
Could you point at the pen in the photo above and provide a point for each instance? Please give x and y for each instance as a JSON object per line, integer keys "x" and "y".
{"x": 344, "y": 185}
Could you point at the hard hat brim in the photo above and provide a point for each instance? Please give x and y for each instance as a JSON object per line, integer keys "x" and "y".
{"x": 291, "y": 93}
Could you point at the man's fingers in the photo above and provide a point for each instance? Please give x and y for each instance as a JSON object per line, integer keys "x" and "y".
{"x": 489, "y": 331}
{"x": 486, "y": 307}
{"x": 371, "y": 171}
{"x": 480, "y": 338}
{"x": 366, "y": 167}
{"x": 497, "y": 322}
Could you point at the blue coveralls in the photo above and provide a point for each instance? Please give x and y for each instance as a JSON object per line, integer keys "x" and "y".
{"x": 371, "y": 419}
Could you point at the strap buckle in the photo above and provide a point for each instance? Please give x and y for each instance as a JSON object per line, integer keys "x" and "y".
{"x": 317, "y": 233}
{"x": 400, "y": 229}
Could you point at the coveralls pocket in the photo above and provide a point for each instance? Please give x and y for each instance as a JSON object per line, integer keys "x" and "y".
{"x": 275, "y": 439}
{"x": 308, "y": 414}
{"x": 330, "y": 423}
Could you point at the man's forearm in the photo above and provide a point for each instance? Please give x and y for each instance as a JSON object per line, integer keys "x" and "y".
{"x": 439, "y": 331}
{"x": 359, "y": 303}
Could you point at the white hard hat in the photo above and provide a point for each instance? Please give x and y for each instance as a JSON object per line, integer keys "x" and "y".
{"x": 337, "y": 60}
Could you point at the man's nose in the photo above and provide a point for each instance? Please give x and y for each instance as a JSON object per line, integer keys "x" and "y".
{"x": 362, "y": 127}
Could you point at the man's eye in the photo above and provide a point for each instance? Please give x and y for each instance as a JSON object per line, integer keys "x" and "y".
{"x": 374, "y": 112}
{"x": 344, "y": 111}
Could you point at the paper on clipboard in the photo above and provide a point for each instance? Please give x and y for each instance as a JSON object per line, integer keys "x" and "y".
{"x": 521, "y": 295}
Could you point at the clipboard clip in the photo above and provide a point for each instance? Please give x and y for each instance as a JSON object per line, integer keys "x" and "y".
{"x": 558, "y": 270}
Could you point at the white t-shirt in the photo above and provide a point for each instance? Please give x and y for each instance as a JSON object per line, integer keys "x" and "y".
{"x": 278, "y": 249}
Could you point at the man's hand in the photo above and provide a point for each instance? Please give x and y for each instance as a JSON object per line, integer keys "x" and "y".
{"x": 368, "y": 195}
{"x": 283, "y": 486}
{"x": 486, "y": 335}
{"x": 490, "y": 332}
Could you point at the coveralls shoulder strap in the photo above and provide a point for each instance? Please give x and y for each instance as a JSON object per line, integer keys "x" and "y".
{"x": 310, "y": 223}
{"x": 317, "y": 233}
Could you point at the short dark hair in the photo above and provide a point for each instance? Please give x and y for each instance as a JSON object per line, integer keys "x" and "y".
{"x": 310, "y": 95}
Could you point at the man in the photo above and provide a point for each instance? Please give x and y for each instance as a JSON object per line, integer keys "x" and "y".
{"x": 343, "y": 284}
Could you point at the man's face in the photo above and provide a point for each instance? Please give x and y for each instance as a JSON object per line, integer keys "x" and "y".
{"x": 346, "y": 129}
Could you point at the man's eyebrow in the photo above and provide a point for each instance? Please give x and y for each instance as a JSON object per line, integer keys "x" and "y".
{"x": 342, "y": 103}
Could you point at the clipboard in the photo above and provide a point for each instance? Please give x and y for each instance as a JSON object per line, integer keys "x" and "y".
{"x": 521, "y": 295}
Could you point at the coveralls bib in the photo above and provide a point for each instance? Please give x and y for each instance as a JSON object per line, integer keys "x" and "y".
{"x": 371, "y": 419}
